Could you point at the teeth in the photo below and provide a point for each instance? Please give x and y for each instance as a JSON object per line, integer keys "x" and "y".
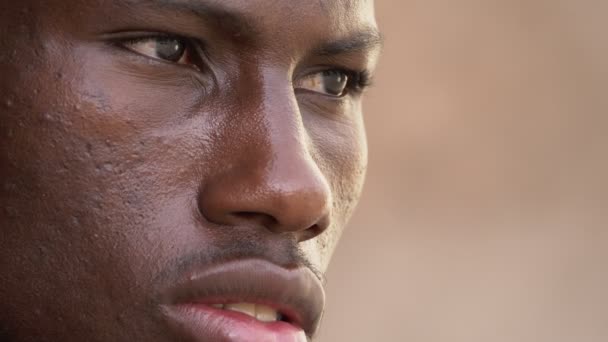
{"x": 266, "y": 314}
{"x": 246, "y": 308}
{"x": 262, "y": 313}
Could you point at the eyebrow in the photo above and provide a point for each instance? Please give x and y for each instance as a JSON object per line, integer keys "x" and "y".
{"x": 365, "y": 40}
{"x": 235, "y": 23}
{"x": 239, "y": 25}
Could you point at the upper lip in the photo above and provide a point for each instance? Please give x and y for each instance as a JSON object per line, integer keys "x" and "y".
{"x": 295, "y": 292}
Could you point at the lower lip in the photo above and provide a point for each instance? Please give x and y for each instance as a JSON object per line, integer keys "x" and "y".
{"x": 202, "y": 323}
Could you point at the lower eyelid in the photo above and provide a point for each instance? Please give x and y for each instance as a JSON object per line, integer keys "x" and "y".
{"x": 326, "y": 106}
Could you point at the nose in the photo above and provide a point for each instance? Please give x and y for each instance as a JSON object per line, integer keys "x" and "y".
{"x": 270, "y": 179}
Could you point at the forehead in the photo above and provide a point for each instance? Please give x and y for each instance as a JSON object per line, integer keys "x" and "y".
{"x": 279, "y": 10}
{"x": 266, "y": 17}
{"x": 334, "y": 14}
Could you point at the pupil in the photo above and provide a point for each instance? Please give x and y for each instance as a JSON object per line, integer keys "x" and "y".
{"x": 335, "y": 82}
{"x": 170, "y": 49}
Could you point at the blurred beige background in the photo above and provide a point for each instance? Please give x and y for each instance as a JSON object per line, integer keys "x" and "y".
{"x": 484, "y": 217}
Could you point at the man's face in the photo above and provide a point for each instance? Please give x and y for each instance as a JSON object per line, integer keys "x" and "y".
{"x": 165, "y": 164}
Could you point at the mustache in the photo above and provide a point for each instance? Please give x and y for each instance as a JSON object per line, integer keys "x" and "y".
{"x": 288, "y": 255}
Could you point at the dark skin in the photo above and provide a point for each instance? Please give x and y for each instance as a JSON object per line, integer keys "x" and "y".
{"x": 139, "y": 139}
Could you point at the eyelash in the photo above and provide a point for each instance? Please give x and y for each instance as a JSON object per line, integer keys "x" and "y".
{"x": 191, "y": 44}
{"x": 358, "y": 81}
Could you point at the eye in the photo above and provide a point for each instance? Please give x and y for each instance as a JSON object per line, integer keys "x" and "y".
{"x": 329, "y": 82}
{"x": 170, "y": 49}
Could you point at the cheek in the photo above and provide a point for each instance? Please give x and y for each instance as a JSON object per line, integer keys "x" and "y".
{"x": 340, "y": 149}
{"x": 86, "y": 167}
{"x": 138, "y": 90}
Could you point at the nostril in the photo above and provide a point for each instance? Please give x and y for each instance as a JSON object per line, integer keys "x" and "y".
{"x": 297, "y": 203}
{"x": 310, "y": 232}
{"x": 264, "y": 220}
{"x": 272, "y": 224}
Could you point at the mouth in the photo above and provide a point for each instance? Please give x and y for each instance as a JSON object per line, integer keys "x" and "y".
{"x": 246, "y": 300}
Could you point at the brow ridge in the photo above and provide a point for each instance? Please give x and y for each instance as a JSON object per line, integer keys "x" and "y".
{"x": 225, "y": 19}
{"x": 365, "y": 40}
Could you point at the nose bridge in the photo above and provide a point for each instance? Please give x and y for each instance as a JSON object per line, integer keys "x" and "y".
{"x": 292, "y": 168}
{"x": 274, "y": 181}
{"x": 290, "y": 162}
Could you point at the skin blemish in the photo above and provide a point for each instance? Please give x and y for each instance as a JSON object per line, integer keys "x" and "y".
{"x": 148, "y": 142}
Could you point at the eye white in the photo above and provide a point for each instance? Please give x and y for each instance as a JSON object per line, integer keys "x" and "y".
{"x": 328, "y": 82}
{"x": 162, "y": 48}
